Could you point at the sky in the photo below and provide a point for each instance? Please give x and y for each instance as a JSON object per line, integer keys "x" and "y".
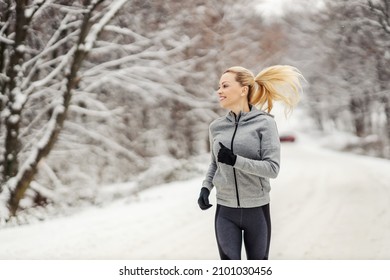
{"x": 276, "y": 8}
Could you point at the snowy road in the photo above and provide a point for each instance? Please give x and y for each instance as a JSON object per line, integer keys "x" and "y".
{"x": 330, "y": 205}
{"x": 325, "y": 205}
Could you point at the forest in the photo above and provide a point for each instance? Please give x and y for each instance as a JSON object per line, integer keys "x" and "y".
{"x": 95, "y": 92}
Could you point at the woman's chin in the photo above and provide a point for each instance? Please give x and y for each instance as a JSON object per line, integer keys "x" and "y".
{"x": 222, "y": 105}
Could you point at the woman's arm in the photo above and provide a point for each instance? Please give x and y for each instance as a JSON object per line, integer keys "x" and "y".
{"x": 208, "y": 181}
{"x": 269, "y": 164}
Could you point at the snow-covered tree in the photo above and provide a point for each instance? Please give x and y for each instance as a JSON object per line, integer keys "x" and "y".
{"x": 344, "y": 49}
{"x": 381, "y": 17}
{"x": 43, "y": 45}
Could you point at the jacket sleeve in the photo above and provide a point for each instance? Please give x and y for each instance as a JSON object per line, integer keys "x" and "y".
{"x": 208, "y": 181}
{"x": 269, "y": 164}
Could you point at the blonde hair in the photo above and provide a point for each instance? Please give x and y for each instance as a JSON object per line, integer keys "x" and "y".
{"x": 275, "y": 83}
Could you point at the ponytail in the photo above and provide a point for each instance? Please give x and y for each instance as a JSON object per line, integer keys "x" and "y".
{"x": 275, "y": 83}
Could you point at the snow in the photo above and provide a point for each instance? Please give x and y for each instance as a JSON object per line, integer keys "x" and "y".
{"x": 13, "y": 119}
{"x": 6, "y": 40}
{"x": 20, "y": 99}
{"x": 30, "y": 11}
{"x": 21, "y": 48}
{"x": 331, "y": 205}
{"x": 324, "y": 204}
{"x": 130, "y": 228}
{"x": 97, "y": 28}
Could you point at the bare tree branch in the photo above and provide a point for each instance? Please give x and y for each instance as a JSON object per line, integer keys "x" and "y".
{"x": 382, "y": 12}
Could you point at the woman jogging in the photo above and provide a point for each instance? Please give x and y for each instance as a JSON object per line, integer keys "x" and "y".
{"x": 245, "y": 153}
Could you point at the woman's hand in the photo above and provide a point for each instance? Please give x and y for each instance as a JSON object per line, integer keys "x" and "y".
{"x": 203, "y": 200}
{"x": 226, "y": 156}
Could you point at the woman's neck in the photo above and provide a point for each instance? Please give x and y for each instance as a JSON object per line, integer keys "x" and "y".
{"x": 242, "y": 108}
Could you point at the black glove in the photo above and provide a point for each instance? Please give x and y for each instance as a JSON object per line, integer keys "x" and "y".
{"x": 203, "y": 200}
{"x": 225, "y": 155}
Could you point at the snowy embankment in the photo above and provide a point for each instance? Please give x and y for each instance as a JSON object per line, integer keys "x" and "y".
{"x": 325, "y": 205}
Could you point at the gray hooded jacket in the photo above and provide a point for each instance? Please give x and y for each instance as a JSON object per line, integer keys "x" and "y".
{"x": 254, "y": 138}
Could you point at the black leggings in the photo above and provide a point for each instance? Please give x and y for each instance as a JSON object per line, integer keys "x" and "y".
{"x": 232, "y": 224}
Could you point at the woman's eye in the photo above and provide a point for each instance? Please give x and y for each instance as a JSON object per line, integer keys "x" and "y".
{"x": 223, "y": 86}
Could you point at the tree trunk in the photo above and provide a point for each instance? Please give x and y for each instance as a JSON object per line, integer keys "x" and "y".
{"x": 12, "y": 121}
{"x": 356, "y": 107}
{"x": 29, "y": 169}
{"x": 386, "y": 101}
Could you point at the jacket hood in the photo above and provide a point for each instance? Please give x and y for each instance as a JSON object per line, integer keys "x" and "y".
{"x": 246, "y": 116}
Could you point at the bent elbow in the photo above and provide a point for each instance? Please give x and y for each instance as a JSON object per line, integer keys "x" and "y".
{"x": 274, "y": 171}
{"x": 273, "y": 175}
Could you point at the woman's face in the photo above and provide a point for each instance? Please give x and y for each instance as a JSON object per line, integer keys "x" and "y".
{"x": 230, "y": 91}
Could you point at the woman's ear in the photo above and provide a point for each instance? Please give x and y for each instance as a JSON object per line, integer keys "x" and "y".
{"x": 244, "y": 90}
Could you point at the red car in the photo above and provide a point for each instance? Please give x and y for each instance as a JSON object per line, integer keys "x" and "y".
{"x": 287, "y": 138}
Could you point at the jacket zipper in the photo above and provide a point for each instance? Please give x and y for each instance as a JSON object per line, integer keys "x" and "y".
{"x": 231, "y": 148}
